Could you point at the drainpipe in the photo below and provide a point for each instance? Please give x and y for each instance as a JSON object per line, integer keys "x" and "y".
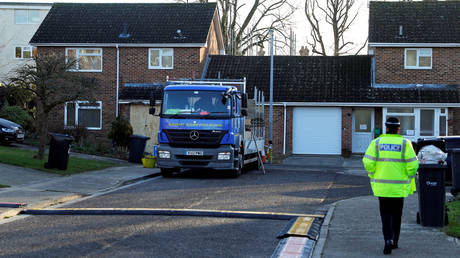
{"x": 284, "y": 138}
{"x": 373, "y": 71}
{"x": 118, "y": 79}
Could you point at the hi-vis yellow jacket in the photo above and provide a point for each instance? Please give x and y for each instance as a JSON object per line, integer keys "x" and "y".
{"x": 391, "y": 165}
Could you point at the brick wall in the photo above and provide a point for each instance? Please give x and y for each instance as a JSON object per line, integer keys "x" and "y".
{"x": 389, "y": 67}
{"x": 347, "y": 123}
{"x": 133, "y": 69}
{"x": 454, "y": 121}
{"x": 278, "y": 128}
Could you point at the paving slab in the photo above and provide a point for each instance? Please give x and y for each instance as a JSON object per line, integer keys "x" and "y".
{"x": 355, "y": 231}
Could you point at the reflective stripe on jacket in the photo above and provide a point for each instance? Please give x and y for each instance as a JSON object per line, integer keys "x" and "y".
{"x": 391, "y": 164}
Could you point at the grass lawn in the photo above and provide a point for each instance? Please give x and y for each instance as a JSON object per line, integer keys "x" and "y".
{"x": 453, "y": 228}
{"x": 24, "y": 158}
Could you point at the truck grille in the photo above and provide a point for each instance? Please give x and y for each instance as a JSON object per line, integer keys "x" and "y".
{"x": 199, "y": 138}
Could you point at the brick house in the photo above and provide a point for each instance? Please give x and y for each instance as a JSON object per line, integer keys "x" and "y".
{"x": 337, "y": 105}
{"x": 128, "y": 47}
{"x": 417, "y": 45}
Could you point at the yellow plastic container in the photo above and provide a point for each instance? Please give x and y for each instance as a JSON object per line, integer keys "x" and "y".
{"x": 148, "y": 161}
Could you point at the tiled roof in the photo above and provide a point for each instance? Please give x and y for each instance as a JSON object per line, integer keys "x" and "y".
{"x": 421, "y": 21}
{"x": 145, "y": 23}
{"x": 321, "y": 79}
{"x": 141, "y": 92}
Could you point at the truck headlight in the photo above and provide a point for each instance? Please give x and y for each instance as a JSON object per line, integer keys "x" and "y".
{"x": 164, "y": 154}
{"x": 224, "y": 156}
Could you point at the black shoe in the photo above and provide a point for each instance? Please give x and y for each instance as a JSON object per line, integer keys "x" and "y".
{"x": 395, "y": 245}
{"x": 388, "y": 247}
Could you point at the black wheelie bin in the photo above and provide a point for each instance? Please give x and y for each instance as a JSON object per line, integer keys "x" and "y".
{"x": 455, "y": 168}
{"x": 432, "y": 195}
{"x": 439, "y": 142}
{"x": 58, "y": 156}
{"x": 136, "y": 148}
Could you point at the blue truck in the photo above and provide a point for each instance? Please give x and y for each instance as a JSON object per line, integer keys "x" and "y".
{"x": 209, "y": 124}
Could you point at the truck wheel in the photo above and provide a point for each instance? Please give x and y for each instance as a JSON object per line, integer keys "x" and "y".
{"x": 237, "y": 171}
{"x": 167, "y": 172}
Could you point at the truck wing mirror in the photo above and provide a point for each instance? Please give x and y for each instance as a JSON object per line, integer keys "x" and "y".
{"x": 152, "y": 111}
{"x": 244, "y": 100}
{"x": 224, "y": 98}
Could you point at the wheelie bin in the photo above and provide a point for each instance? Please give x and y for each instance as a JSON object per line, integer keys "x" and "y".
{"x": 137, "y": 147}
{"x": 58, "y": 156}
{"x": 431, "y": 195}
{"x": 439, "y": 142}
{"x": 455, "y": 169}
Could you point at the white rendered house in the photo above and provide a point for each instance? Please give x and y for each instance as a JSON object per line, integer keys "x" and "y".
{"x": 18, "y": 23}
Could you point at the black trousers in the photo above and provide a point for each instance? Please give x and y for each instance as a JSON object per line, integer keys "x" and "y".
{"x": 391, "y": 213}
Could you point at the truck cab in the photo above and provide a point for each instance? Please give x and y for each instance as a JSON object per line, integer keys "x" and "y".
{"x": 203, "y": 126}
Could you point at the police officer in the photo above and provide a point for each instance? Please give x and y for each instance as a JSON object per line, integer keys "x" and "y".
{"x": 391, "y": 164}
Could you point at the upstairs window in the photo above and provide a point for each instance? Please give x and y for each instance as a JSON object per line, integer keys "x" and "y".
{"x": 161, "y": 58}
{"x": 418, "y": 58}
{"x": 26, "y": 16}
{"x": 25, "y": 52}
{"x": 85, "y": 59}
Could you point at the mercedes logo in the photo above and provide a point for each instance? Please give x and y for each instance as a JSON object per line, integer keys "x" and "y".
{"x": 194, "y": 135}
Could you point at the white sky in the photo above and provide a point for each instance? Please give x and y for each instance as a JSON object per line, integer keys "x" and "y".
{"x": 358, "y": 33}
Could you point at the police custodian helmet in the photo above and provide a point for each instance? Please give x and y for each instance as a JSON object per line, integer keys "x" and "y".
{"x": 392, "y": 122}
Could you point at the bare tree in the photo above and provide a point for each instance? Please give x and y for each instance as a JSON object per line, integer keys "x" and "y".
{"x": 338, "y": 14}
{"x": 49, "y": 79}
{"x": 246, "y": 24}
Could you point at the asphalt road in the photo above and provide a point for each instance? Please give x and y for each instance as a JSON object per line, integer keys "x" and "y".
{"x": 280, "y": 190}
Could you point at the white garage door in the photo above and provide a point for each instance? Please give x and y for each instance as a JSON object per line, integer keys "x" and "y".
{"x": 317, "y": 130}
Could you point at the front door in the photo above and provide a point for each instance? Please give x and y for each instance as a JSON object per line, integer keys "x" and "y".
{"x": 363, "y": 129}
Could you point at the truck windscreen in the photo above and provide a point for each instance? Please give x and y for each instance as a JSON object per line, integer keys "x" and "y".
{"x": 186, "y": 103}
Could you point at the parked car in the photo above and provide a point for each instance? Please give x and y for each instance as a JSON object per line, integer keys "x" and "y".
{"x": 10, "y": 132}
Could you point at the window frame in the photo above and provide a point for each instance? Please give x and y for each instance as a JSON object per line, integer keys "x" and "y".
{"x": 78, "y": 54}
{"x": 32, "y": 49}
{"x": 27, "y": 16}
{"x": 160, "y": 67}
{"x": 417, "y": 118}
{"x": 77, "y": 108}
{"x": 417, "y": 66}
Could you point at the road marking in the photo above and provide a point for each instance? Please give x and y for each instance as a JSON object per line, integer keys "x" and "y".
{"x": 12, "y": 205}
{"x": 294, "y": 247}
{"x": 301, "y": 226}
{"x": 170, "y": 212}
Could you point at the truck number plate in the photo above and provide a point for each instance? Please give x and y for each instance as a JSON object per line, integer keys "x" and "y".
{"x": 194, "y": 153}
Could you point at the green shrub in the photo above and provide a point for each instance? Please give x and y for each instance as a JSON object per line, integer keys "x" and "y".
{"x": 121, "y": 132}
{"x": 79, "y": 133}
{"x": 17, "y": 115}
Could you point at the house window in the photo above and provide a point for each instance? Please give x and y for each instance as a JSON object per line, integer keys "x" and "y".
{"x": 161, "y": 58}
{"x": 419, "y": 122}
{"x": 27, "y": 16}
{"x": 418, "y": 58}
{"x": 85, "y": 59}
{"x": 83, "y": 113}
{"x": 25, "y": 52}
